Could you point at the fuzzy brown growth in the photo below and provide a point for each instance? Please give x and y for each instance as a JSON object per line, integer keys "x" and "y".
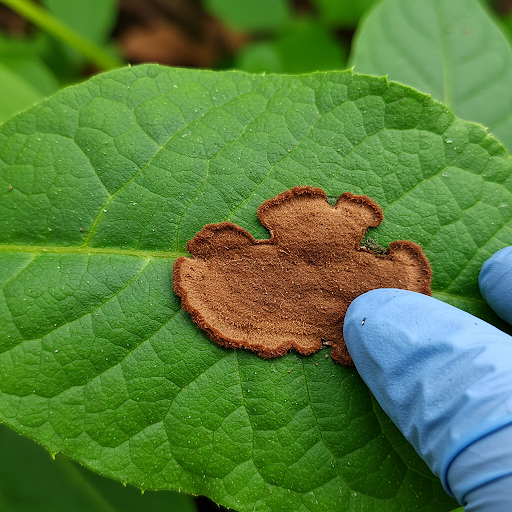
{"x": 292, "y": 291}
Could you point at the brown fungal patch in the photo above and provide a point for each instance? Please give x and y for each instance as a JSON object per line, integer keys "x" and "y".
{"x": 293, "y": 290}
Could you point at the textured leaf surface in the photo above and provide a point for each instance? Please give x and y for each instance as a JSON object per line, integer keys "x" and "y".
{"x": 109, "y": 180}
{"x": 450, "y": 49}
{"x": 31, "y": 481}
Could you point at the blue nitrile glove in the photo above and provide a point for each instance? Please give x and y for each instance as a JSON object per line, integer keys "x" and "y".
{"x": 445, "y": 378}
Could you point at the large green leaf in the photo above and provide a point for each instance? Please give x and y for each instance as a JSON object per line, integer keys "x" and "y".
{"x": 450, "y": 49}
{"x": 110, "y": 179}
{"x": 31, "y": 481}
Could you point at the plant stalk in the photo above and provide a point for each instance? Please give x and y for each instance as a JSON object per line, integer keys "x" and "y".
{"x": 44, "y": 20}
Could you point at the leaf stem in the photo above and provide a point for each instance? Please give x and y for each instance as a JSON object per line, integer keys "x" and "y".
{"x": 44, "y": 20}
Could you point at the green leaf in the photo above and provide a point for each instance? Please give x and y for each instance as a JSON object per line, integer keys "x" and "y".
{"x": 34, "y": 72}
{"x": 93, "y": 19}
{"x": 507, "y": 26}
{"x": 260, "y": 57}
{"x": 16, "y": 93}
{"x": 19, "y": 56}
{"x": 451, "y": 49}
{"x": 31, "y": 481}
{"x": 110, "y": 179}
{"x": 344, "y": 13}
{"x": 304, "y": 46}
{"x": 55, "y": 27}
{"x": 251, "y": 14}
{"x": 307, "y": 46}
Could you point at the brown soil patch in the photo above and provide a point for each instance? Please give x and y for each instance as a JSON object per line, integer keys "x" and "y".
{"x": 292, "y": 291}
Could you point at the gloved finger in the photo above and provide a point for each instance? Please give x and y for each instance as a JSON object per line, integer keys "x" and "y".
{"x": 495, "y": 282}
{"x": 442, "y": 375}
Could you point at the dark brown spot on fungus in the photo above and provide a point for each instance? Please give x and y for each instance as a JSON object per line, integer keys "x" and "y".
{"x": 292, "y": 291}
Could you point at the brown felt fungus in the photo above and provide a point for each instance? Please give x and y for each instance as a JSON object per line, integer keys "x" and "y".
{"x": 293, "y": 290}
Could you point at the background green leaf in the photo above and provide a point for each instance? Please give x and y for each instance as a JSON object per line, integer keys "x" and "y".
{"x": 260, "y": 57}
{"x": 31, "y": 480}
{"x": 342, "y": 12}
{"x": 100, "y": 188}
{"x": 251, "y": 14}
{"x": 16, "y": 93}
{"x": 303, "y": 46}
{"x": 452, "y": 50}
{"x": 93, "y": 19}
{"x": 69, "y": 44}
{"x": 19, "y": 56}
{"x": 307, "y": 46}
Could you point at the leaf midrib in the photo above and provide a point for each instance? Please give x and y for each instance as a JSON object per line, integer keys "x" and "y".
{"x": 141, "y": 253}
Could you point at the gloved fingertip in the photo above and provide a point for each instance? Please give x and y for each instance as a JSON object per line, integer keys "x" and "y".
{"x": 362, "y": 312}
{"x": 374, "y": 317}
{"x": 495, "y": 282}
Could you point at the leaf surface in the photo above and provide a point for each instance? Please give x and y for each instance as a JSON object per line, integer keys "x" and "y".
{"x": 450, "y": 49}
{"x": 110, "y": 179}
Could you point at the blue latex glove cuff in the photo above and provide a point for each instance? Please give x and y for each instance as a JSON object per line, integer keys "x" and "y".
{"x": 496, "y": 496}
{"x": 442, "y": 375}
{"x": 482, "y": 466}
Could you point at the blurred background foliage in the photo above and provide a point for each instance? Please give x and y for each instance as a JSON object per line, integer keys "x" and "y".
{"x": 50, "y": 44}
{"x": 47, "y": 45}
